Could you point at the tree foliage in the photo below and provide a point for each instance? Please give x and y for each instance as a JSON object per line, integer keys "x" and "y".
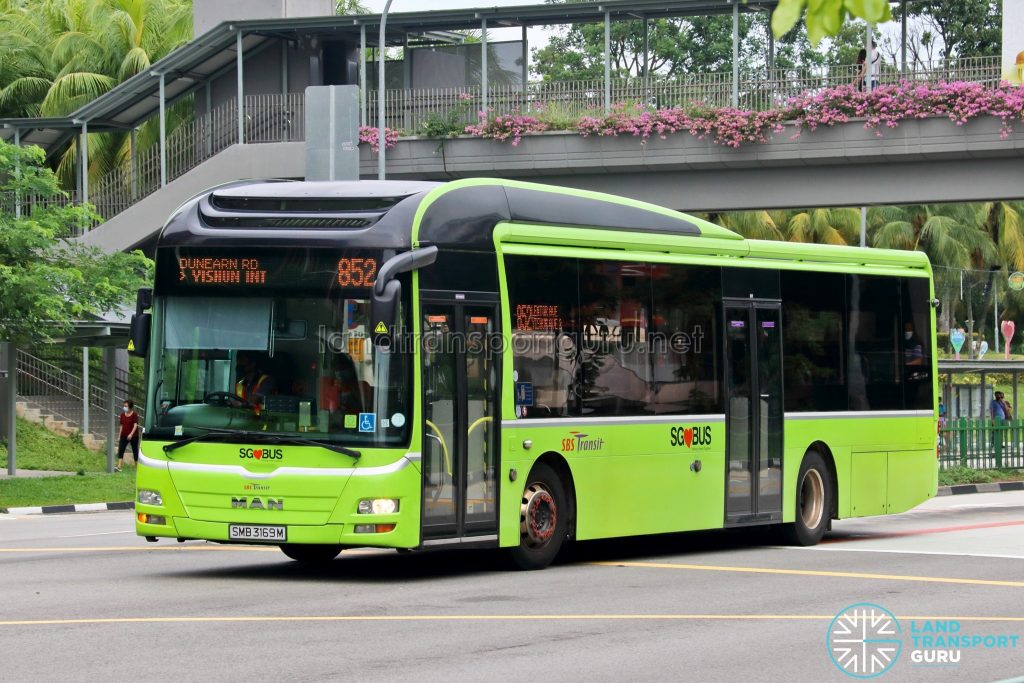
{"x": 964, "y": 28}
{"x": 826, "y": 17}
{"x": 47, "y": 280}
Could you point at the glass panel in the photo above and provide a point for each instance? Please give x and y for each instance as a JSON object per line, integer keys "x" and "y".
{"x": 544, "y": 301}
{"x": 876, "y": 358}
{"x": 739, "y": 411}
{"x": 684, "y": 342}
{"x": 482, "y": 367}
{"x": 917, "y": 344}
{"x": 769, "y": 414}
{"x": 814, "y": 306}
{"x": 440, "y": 448}
{"x": 194, "y": 323}
{"x": 615, "y": 302}
{"x": 284, "y": 365}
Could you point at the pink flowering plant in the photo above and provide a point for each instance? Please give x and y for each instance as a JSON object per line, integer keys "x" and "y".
{"x": 884, "y": 107}
{"x": 368, "y": 135}
{"x": 506, "y": 127}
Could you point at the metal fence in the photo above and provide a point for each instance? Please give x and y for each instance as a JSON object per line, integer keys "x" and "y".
{"x": 982, "y": 444}
{"x": 280, "y": 117}
{"x": 57, "y": 392}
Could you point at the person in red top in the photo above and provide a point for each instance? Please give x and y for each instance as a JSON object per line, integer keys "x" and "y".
{"x": 129, "y": 433}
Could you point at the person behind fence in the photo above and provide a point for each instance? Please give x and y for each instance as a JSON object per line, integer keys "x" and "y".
{"x": 129, "y": 433}
{"x": 1000, "y": 409}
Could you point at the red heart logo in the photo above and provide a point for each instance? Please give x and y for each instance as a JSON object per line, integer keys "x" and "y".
{"x": 259, "y": 453}
{"x": 688, "y": 436}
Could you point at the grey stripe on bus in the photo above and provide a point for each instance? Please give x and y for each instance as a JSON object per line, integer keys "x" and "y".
{"x": 675, "y": 419}
{"x": 396, "y": 466}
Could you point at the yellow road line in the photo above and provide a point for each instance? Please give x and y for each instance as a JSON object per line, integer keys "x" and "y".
{"x": 470, "y": 617}
{"x": 814, "y": 572}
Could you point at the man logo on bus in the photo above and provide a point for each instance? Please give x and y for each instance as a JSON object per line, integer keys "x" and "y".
{"x": 690, "y": 436}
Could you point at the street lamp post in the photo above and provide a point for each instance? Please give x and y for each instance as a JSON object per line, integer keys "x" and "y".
{"x": 381, "y": 138}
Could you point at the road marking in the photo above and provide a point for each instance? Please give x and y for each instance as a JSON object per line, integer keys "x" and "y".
{"x": 923, "y": 532}
{"x": 813, "y": 572}
{"x": 143, "y": 549}
{"x": 474, "y": 617}
{"x": 904, "y": 552}
{"x": 99, "y": 533}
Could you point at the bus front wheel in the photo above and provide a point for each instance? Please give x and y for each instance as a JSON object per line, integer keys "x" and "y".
{"x": 311, "y": 554}
{"x": 813, "y": 501}
{"x": 543, "y": 519}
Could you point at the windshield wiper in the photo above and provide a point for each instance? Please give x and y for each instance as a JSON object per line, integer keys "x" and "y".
{"x": 264, "y": 437}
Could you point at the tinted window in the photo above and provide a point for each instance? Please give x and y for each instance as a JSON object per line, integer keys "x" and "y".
{"x": 813, "y": 310}
{"x": 543, "y": 300}
{"x": 741, "y": 283}
{"x": 615, "y": 305}
{"x": 917, "y": 344}
{"x": 875, "y": 353}
{"x": 684, "y": 354}
{"x": 461, "y": 270}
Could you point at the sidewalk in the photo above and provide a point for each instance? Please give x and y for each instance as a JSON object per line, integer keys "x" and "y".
{"x": 35, "y": 473}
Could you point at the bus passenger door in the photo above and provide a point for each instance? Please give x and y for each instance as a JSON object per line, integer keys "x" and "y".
{"x": 461, "y": 367}
{"x": 753, "y": 411}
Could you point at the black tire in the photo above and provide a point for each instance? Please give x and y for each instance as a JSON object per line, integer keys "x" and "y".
{"x": 813, "y": 501}
{"x": 543, "y": 519}
{"x": 311, "y": 554}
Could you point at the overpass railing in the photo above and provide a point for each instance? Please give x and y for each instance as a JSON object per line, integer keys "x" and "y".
{"x": 280, "y": 117}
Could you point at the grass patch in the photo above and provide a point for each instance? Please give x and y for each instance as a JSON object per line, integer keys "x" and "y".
{"x": 88, "y": 488}
{"x": 966, "y": 475}
{"x": 41, "y": 449}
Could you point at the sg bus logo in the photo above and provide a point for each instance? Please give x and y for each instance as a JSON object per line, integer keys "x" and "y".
{"x": 690, "y": 436}
{"x": 261, "y": 453}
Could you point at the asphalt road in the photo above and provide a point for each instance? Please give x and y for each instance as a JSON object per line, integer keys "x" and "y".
{"x": 81, "y": 598}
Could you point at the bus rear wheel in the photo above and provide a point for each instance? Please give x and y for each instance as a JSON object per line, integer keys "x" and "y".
{"x": 311, "y": 554}
{"x": 813, "y": 501}
{"x": 543, "y": 519}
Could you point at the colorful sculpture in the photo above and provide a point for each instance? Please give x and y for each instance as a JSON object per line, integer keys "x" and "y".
{"x": 957, "y": 339}
{"x": 982, "y": 349}
{"x": 1007, "y": 327}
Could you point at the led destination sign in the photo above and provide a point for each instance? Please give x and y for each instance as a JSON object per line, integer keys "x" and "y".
{"x": 315, "y": 270}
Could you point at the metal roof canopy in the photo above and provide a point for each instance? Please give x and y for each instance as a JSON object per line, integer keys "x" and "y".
{"x": 206, "y": 57}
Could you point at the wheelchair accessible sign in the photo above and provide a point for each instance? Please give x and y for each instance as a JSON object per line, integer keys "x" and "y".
{"x": 367, "y": 422}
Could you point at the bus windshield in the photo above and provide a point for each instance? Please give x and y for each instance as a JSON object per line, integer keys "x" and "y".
{"x": 289, "y": 355}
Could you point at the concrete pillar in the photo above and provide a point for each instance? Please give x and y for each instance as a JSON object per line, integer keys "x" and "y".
{"x": 736, "y": 54}
{"x": 364, "y": 118}
{"x": 526, "y": 64}
{"x": 284, "y": 85}
{"x": 108, "y": 367}
{"x": 163, "y": 130}
{"x": 903, "y": 38}
{"x": 607, "y": 61}
{"x": 240, "y": 76}
{"x": 483, "y": 63}
{"x": 9, "y": 403}
{"x": 84, "y": 146}
{"x": 869, "y": 86}
{"x": 647, "y": 52}
{"x": 133, "y": 170}
{"x": 17, "y": 173}
{"x": 85, "y": 390}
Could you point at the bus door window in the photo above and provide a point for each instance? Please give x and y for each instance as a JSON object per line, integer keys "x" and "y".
{"x": 481, "y": 387}
{"x": 440, "y": 391}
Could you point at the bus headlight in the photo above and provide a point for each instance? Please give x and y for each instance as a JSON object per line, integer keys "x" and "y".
{"x": 378, "y": 506}
{"x": 148, "y": 497}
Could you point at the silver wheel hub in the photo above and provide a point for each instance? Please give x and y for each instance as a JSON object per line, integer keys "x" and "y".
{"x": 812, "y": 499}
{"x": 538, "y": 515}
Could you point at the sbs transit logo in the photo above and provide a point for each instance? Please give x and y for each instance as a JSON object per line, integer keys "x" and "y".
{"x": 864, "y": 640}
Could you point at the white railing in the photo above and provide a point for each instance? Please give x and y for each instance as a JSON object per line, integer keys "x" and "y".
{"x": 280, "y": 118}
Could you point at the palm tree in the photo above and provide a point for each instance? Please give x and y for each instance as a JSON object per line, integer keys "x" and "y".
{"x": 824, "y": 226}
{"x": 758, "y": 225}
{"x": 60, "y": 54}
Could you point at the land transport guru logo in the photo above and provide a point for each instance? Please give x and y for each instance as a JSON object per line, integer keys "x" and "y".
{"x": 866, "y": 640}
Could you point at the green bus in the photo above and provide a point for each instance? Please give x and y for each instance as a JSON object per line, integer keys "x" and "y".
{"x": 505, "y": 364}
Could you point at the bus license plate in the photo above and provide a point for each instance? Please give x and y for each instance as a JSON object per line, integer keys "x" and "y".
{"x": 255, "y": 532}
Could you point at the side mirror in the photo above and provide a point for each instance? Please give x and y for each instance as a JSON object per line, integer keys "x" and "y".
{"x": 143, "y": 300}
{"x": 387, "y": 291}
{"x": 138, "y": 342}
{"x": 384, "y": 312}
